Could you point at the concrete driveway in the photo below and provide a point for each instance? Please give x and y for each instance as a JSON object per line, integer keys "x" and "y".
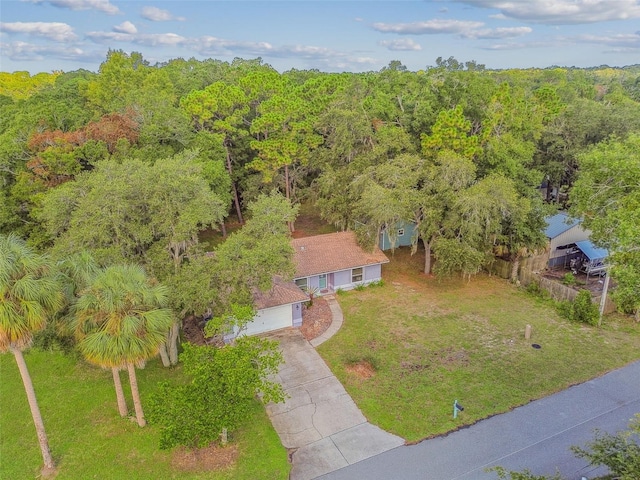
{"x": 319, "y": 422}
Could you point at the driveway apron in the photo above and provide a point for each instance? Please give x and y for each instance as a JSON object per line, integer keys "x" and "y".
{"x": 319, "y": 422}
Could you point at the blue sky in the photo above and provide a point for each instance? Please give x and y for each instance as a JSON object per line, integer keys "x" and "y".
{"x": 340, "y": 35}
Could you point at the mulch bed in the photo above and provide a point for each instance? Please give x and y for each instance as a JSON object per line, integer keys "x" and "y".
{"x": 316, "y": 319}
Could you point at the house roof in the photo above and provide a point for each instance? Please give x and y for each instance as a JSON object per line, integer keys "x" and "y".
{"x": 332, "y": 252}
{"x": 281, "y": 293}
{"x": 559, "y": 223}
{"x": 591, "y": 251}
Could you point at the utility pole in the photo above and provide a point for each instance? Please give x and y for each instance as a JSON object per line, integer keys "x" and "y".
{"x": 603, "y": 299}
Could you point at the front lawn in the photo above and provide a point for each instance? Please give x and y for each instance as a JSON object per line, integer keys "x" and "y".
{"x": 411, "y": 347}
{"x": 89, "y": 440}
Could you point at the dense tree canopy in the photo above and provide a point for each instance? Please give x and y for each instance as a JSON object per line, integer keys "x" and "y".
{"x": 133, "y": 161}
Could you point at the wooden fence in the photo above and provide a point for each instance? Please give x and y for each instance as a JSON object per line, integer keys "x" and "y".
{"x": 527, "y": 275}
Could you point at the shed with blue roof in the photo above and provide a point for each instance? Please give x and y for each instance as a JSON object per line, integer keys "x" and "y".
{"x": 563, "y": 233}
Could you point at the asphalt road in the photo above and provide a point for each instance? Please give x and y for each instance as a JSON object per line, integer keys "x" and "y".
{"x": 536, "y": 436}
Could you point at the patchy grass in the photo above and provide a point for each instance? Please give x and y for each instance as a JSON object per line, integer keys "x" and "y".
{"x": 89, "y": 440}
{"x": 433, "y": 341}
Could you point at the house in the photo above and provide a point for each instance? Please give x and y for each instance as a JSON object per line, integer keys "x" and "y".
{"x": 324, "y": 262}
{"x": 563, "y": 233}
{"x": 335, "y": 261}
{"x": 279, "y": 307}
{"x": 401, "y": 236}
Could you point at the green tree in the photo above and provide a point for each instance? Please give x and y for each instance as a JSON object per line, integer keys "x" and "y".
{"x": 389, "y": 192}
{"x": 607, "y": 196}
{"x": 285, "y": 136}
{"x": 619, "y": 452}
{"x": 252, "y": 256}
{"x": 120, "y": 321}
{"x": 452, "y": 131}
{"x": 220, "y": 109}
{"x": 29, "y": 296}
{"x": 224, "y": 383}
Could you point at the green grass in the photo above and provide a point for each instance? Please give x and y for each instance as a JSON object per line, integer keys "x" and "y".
{"x": 89, "y": 440}
{"x": 433, "y": 341}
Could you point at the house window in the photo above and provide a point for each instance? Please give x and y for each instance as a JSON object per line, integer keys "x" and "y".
{"x": 356, "y": 275}
{"x": 400, "y": 232}
{"x": 302, "y": 282}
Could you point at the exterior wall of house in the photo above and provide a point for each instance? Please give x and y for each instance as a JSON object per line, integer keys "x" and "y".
{"x": 313, "y": 282}
{"x": 403, "y": 240}
{"x": 372, "y": 273}
{"x": 296, "y": 310}
{"x": 342, "y": 279}
{"x": 574, "y": 234}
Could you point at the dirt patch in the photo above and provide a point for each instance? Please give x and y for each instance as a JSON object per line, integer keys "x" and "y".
{"x": 192, "y": 330}
{"x": 593, "y": 283}
{"x": 213, "y": 457}
{"x": 361, "y": 369}
{"x": 316, "y": 319}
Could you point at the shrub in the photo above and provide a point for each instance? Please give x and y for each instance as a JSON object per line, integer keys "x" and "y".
{"x": 569, "y": 279}
{"x": 536, "y": 290}
{"x": 582, "y": 309}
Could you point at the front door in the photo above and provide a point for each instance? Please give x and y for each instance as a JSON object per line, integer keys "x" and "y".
{"x": 322, "y": 281}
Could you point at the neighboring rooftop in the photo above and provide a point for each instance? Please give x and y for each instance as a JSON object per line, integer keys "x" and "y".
{"x": 332, "y": 252}
{"x": 591, "y": 251}
{"x": 281, "y": 293}
{"x": 559, "y": 223}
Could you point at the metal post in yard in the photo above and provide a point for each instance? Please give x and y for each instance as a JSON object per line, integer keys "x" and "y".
{"x": 603, "y": 299}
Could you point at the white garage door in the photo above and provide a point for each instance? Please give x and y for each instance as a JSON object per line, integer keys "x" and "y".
{"x": 270, "y": 319}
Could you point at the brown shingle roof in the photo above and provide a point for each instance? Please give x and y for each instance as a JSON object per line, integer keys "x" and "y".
{"x": 281, "y": 293}
{"x": 331, "y": 252}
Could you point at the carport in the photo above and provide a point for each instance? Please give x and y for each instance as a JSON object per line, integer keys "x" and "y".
{"x": 593, "y": 259}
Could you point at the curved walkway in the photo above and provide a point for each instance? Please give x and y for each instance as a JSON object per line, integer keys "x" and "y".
{"x": 336, "y": 322}
{"x": 319, "y": 422}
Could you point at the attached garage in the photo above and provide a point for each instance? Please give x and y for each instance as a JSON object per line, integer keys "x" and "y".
{"x": 269, "y": 319}
{"x": 280, "y": 307}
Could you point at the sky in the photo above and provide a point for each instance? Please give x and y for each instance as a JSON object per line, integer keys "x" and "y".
{"x": 331, "y": 36}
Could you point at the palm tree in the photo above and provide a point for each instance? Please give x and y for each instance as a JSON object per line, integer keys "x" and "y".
{"x": 29, "y": 295}
{"x": 120, "y": 322}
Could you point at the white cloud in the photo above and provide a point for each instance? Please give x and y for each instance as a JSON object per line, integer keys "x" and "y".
{"x": 59, "y": 32}
{"x": 621, "y": 41}
{"x": 495, "y": 33}
{"x": 428, "y": 27}
{"x": 208, "y": 45}
{"x": 148, "y": 39}
{"x": 22, "y": 51}
{"x": 318, "y": 57}
{"x": 401, "y": 44}
{"x": 156, "y": 14}
{"x": 125, "y": 27}
{"x": 521, "y": 45}
{"x": 563, "y": 12}
{"x": 101, "y": 5}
